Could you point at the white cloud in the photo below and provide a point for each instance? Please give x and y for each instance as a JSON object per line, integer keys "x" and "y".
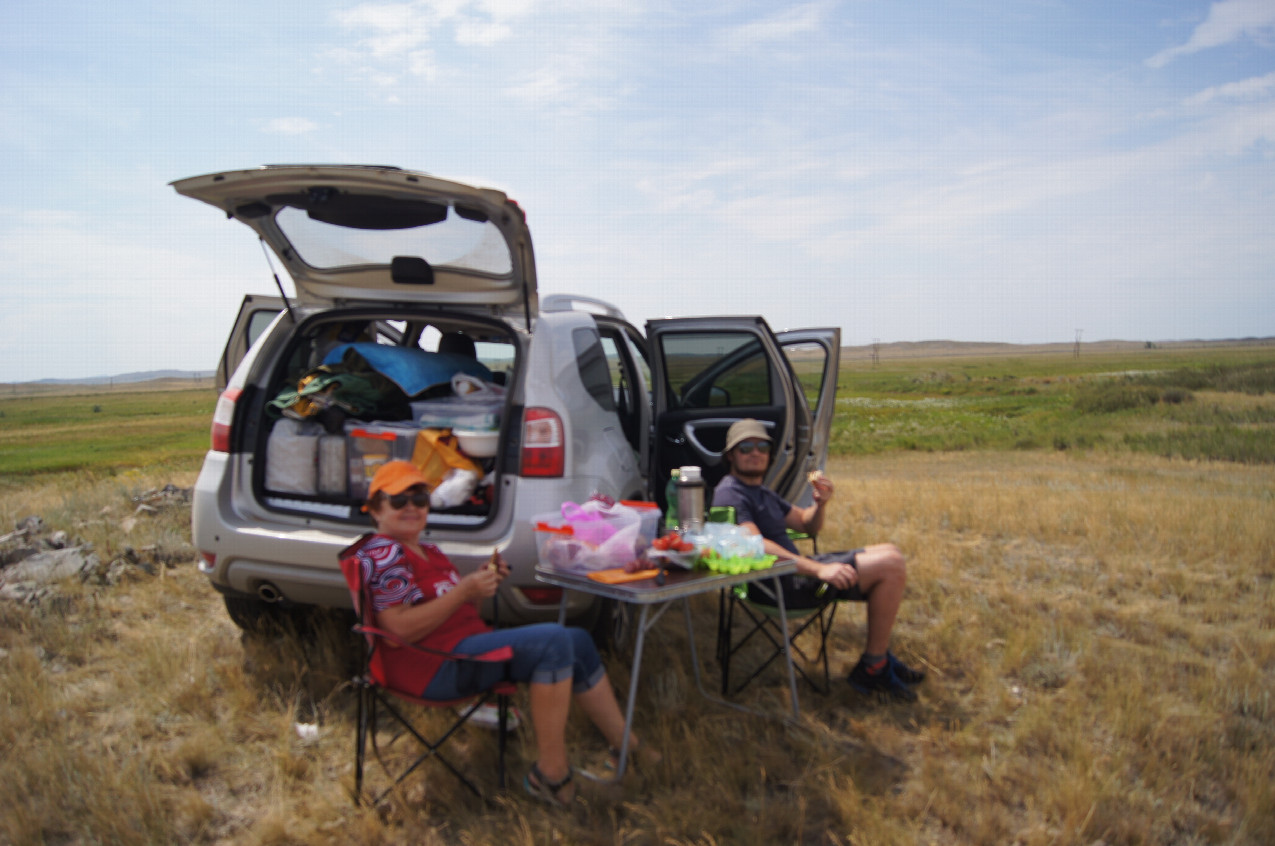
{"x": 396, "y": 28}
{"x": 400, "y": 29}
{"x": 781, "y": 26}
{"x": 1228, "y": 21}
{"x": 290, "y": 126}
{"x": 1246, "y": 89}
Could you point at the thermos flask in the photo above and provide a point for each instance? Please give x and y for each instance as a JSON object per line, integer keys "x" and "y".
{"x": 690, "y": 499}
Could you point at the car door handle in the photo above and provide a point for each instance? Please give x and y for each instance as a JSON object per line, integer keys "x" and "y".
{"x": 714, "y": 457}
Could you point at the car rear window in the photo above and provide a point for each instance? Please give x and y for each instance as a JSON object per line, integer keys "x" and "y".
{"x": 455, "y": 242}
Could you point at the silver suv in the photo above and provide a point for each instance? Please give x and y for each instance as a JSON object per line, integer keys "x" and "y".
{"x": 402, "y": 267}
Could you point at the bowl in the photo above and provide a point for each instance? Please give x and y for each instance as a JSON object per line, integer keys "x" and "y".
{"x": 479, "y": 443}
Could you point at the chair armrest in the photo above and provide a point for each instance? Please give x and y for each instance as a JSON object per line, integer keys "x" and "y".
{"x": 499, "y": 655}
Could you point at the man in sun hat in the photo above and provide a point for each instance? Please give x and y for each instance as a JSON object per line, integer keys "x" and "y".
{"x": 873, "y": 574}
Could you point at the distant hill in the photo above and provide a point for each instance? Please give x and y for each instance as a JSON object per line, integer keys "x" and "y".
{"x": 129, "y": 378}
{"x": 154, "y": 380}
{"x": 941, "y": 349}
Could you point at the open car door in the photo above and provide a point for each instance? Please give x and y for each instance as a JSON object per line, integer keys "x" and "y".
{"x": 815, "y": 358}
{"x": 256, "y": 312}
{"x": 708, "y": 372}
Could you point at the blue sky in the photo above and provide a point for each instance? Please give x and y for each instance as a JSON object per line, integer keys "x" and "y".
{"x": 1012, "y": 171}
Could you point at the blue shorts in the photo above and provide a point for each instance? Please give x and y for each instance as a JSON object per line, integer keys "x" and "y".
{"x": 544, "y": 653}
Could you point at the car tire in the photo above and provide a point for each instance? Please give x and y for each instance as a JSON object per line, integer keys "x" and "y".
{"x": 253, "y": 615}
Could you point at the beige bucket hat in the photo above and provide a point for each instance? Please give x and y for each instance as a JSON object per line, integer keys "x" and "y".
{"x": 745, "y": 429}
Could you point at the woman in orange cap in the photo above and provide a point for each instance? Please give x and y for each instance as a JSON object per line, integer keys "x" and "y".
{"x": 418, "y": 596}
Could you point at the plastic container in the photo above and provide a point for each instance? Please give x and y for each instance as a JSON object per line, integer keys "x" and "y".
{"x": 334, "y": 472}
{"x": 649, "y": 525}
{"x": 477, "y": 443}
{"x": 369, "y": 445}
{"x": 557, "y": 546}
{"x": 292, "y": 457}
{"x": 482, "y": 413}
{"x": 569, "y": 539}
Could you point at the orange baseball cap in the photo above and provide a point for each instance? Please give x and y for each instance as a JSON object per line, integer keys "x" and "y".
{"x": 394, "y": 477}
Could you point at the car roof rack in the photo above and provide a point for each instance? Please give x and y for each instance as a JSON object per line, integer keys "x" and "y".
{"x": 577, "y": 302}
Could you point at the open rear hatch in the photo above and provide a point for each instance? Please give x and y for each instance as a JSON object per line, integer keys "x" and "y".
{"x": 351, "y": 232}
{"x": 406, "y": 286}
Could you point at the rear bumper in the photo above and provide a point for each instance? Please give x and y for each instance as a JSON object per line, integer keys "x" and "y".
{"x": 300, "y": 563}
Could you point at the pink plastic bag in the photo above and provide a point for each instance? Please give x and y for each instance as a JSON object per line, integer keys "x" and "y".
{"x": 596, "y": 521}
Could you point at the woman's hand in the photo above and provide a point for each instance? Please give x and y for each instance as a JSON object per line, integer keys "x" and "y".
{"x": 499, "y": 565}
{"x": 483, "y": 582}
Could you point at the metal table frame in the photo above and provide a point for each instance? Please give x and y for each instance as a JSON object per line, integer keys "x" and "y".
{"x": 654, "y": 599}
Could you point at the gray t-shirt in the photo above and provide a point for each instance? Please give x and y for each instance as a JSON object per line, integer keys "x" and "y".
{"x": 759, "y": 505}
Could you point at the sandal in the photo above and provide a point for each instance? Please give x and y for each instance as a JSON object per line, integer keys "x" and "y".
{"x": 540, "y": 787}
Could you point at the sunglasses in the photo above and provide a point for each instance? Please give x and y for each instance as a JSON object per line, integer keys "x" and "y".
{"x": 399, "y": 501}
{"x": 748, "y": 446}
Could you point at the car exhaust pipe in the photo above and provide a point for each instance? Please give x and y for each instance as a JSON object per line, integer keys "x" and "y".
{"x": 269, "y": 593}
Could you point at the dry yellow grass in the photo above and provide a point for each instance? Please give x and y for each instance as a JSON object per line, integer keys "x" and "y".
{"x": 1099, "y": 631}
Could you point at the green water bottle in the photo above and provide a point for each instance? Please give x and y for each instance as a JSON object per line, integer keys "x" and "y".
{"x": 670, "y": 501}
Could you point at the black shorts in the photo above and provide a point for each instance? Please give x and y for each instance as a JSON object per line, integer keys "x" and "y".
{"x": 801, "y": 591}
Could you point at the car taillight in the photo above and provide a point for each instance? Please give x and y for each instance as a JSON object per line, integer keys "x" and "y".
{"x": 223, "y": 417}
{"x": 543, "y": 452}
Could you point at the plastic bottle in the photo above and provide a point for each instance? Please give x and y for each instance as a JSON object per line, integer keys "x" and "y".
{"x": 670, "y": 501}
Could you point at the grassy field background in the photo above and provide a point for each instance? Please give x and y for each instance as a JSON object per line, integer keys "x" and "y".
{"x": 1091, "y": 545}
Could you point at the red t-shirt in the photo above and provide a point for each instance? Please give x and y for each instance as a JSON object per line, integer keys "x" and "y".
{"x": 393, "y": 575}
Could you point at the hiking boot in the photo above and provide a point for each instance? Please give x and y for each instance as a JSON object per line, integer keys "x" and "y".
{"x": 903, "y": 672}
{"x": 884, "y": 684}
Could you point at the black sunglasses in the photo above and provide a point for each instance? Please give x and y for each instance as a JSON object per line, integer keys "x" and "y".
{"x": 400, "y": 500}
{"x": 748, "y": 446}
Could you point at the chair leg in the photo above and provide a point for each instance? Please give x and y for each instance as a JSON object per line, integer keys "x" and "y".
{"x": 360, "y": 740}
{"x": 432, "y": 747}
{"x": 502, "y": 707}
{"x": 822, "y": 616}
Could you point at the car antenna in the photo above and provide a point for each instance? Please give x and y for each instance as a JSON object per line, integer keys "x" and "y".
{"x": 287, "y": 306}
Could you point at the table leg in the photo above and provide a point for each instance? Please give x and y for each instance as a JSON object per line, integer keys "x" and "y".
{"x": 645, "y": 622}
{"x": 783, "y": 625}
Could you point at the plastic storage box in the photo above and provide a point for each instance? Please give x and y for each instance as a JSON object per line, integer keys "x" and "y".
{"x": 369, "y": 445}
{"x": 453, "y": 413}
{"x": 576, "y": 543}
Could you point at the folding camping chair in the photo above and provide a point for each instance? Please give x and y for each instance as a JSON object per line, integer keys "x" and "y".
{"x": 376, "y": 697}
{"x": 762, "y": 619}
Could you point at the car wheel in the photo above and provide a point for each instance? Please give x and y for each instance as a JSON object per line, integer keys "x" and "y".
{"x": 253, "y": 615}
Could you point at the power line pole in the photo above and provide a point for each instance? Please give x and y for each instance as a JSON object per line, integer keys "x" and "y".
{"x": 876, "y": 351}
{"x": 1076, "y": 349}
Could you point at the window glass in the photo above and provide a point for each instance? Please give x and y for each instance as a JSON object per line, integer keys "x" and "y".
{"x": 455, "y": 242}
{"x": 808, "y": 362}
{"x": 257, "y": 323}
{"x": 716, "y": 370}
{"x": 615, "y": 365}
{"x": 592, "y": 362}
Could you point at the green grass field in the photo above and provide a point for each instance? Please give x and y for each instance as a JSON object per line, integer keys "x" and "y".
{"x": 1199, "y": 404}
{"x": 104, "y": 432}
